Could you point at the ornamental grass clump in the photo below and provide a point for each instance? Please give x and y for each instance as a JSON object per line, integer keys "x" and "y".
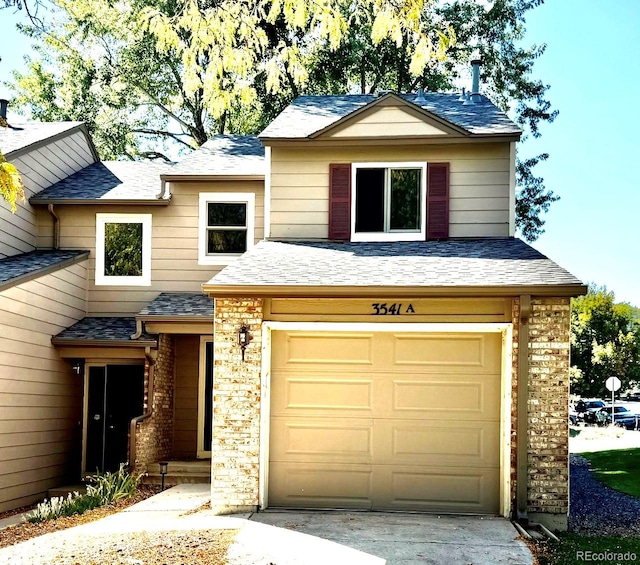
{"x": 104, "y": 488}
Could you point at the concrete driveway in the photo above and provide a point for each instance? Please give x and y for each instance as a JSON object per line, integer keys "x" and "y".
{"x": 402, "y": 539}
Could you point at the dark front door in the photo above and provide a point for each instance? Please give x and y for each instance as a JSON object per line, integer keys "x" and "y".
{"x": 115, "y": 397}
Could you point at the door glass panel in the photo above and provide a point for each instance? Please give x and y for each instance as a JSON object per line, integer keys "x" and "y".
{"x": 95, "y": 420}
{"x": 208, "y": 395}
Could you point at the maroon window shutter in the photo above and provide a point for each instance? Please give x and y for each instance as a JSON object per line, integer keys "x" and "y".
{"x": 438, "y": 201}
{"x": 340, "y": 202}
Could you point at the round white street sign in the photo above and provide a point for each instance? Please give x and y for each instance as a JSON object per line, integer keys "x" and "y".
{"x": 613, "y": 383}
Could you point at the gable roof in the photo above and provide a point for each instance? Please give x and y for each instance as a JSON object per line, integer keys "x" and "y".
{"x": 20, "y": 138}
{"x": 105, "y": 182}
{"x": 308, "y": 116}
{"x": 483, "y": 266}
{"x": 222, "y": 155}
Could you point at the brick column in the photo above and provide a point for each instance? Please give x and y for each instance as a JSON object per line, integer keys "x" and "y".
{"x": 235, "y": 449}
{"x": 548, "y": 405}
{"x": 154, "y": 436}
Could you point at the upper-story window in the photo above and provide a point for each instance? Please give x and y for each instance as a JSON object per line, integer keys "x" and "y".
{"x": 226, "y": 224}
{"x": 388, "y": 201}
{"x": 123, "y": 249}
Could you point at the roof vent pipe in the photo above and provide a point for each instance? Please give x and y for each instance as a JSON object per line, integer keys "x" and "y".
{"x": 475, "y": 86}
{"x": 3, "y": 108}
{"x": 420, "y": 99}
{"x": 463, "y": 95}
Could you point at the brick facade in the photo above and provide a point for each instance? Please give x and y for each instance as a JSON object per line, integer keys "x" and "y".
{"x": 154, "y": 436}
{"x": 235, "y": 449}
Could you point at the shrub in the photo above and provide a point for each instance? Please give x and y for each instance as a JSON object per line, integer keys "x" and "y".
{"x": 105, "y": 489}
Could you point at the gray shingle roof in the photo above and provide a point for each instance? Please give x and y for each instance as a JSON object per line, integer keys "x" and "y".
{"x": 35, "y": 263}
{"x": 224, "y": 155}
{"x": 307, "y": 115}
{"x": 457, "y": 263}
{"x": 103, "y": 329}
{"x": 22, "y": 135}
{"x": 108, "y": 180}
{"x": 179, "y": 304}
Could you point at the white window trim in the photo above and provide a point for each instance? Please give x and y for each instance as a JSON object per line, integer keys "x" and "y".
{"x": 396, "y": 235}
{"x": 205, "y": 197}
{"x": 145, "y": 220}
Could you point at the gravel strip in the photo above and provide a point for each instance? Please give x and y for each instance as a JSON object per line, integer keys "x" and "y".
{"x": 598, "y": 510}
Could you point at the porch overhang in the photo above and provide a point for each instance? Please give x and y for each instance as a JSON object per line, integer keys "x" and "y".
{"x": 104, "y": 338}
{"x": 504, "y": 267}
{"x": 304, "y": 291}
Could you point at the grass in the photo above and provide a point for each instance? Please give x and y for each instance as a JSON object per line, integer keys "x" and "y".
{"x": 618, "y": 469}
{"x": 574, "y": 549}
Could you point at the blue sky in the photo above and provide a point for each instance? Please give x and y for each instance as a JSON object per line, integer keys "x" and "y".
{"x": 592, "y": 63}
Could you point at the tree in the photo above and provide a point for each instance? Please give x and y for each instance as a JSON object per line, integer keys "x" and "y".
{"x": 11, "y": 188}
{"x": 146, "y": 71}
{"x": 605, "y": 342}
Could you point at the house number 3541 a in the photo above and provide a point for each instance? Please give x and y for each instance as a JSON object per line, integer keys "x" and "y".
{"x": 394, "y": 309}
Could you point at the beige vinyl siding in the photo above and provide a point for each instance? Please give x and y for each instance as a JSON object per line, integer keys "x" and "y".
{"x": 39, "y": 169}
{"x": 479, "y": 185}
{"x": 174, "y": 245}
{"x": 386, "y": 121}
{"x": 185, "y": 427}
{"x": 40, "y": 398}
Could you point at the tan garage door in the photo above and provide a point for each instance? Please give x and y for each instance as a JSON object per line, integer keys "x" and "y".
{"x": 385, "y": 421}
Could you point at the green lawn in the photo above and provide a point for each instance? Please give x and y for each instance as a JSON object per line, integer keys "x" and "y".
{"x": 574, "y": 549}
{"x": 618, "y": 469}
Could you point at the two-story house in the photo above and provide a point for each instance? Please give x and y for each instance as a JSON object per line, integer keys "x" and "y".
{"x": 336, "y": 313}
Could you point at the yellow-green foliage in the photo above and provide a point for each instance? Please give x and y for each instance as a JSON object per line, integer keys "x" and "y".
{"x": 11, "y": 187}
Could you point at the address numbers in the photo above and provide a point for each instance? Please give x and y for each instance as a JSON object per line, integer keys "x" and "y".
{"x": 393, "y": 309}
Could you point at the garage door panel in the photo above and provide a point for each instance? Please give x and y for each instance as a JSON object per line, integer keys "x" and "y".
{"x": 323, "y": 486}
{"x": 437, "y": 489}
{"x": 306, "y": 349}
{"x": 304, "y": 394}
{"x": 409, "y": 443}
{"x": 465, "y": 397}
{"x": 444, "y": 353}
{"x": 321, "y": 440}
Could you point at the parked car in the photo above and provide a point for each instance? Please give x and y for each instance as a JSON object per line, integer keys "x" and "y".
{"x": 587, "y": 408}
{"x": 624, "y": 416}
{"x": 632, "y": 397}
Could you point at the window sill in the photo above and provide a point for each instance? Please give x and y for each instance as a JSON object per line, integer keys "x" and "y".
{"x": 362, "y": 237}
{"x": 222, "y": 259}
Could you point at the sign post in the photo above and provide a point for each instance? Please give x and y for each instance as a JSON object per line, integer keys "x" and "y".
{"x": 613, "y": 384}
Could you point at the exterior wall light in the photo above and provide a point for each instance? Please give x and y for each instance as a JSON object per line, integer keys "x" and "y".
{"x": 244, "y": 338}
{"x": 77, "y": 368}
{"x": 164, "y": 467}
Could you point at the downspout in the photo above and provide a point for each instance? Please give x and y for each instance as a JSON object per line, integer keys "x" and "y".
{"x": 56, "y": 227}
{"x": 163, "y": 188}
{"x": 149, "y": 358}
{"x": 522, "y": 433}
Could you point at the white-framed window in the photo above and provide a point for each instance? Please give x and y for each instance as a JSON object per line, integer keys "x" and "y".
{"x": 388, "y": 201}
{"x": 226, "y": 226}
{"x": 123, "y": 249}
